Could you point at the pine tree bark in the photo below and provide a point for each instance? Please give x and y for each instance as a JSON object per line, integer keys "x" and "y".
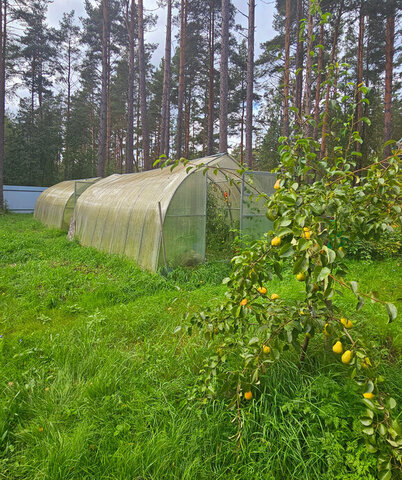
{"x": 143, "y": 92}
{"x": 309, "y": 63}
{"x": 211, "y": 99}
{"x": 187, "y": 119}
{"x": 318, "y": 84}
{"x": 328, "y": 89}
{"x": 250, "y": 83}
{"x": 299, "y": 62}
{"x": 285, "y": 128}
{"x": 3, "y": 43}
{"x": 165, "y": 127}
{"x": 104, "y": 90}
{"x": 130, "y": 24}
{"x": 360, "y": 63}
{"x": 182, "y": 61}
{"x": 389, "y": 58}
{"x": 109, "y": 113}
{"x": 67, "y": 168}
{"x": 224, "y": 79}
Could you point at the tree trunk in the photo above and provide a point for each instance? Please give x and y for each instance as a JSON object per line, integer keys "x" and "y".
{"x": 165, "y": 127}
{"x": 187, "y": 119}
{"x": 389, "y": 58}
{"x": 250, "y": 84}
{"x": 328, "y": 90}
{"x": 285, "y": 129}
{"x": 299, "y": 62}
{"x": 223, "y": 100}
{"x": 309, "y": 64}
{"x": 243, "y": 109}
{"x": 3, "y": 42}
{"x": 67, "y": 160}
{"x": 130, "y": 23}
{"x": 104, "y": 89}
{"x": 143, "y": 92}
{"x": 360, "y": 62}
{"x": 318, "y": 84}
{"x": 211, "y": 99}
{"x": 180, "y": 99}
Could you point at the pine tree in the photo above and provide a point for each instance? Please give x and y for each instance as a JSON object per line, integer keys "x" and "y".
{"x": 223, "y": 113}
{"x": 67, "y": 43}
{"x": 165, "y": 125}
{"x": 250, "y": 83}
{"x": 3, "y": 42}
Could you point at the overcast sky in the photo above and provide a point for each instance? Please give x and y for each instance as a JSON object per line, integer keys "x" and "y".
{"x": 264, "y": 18}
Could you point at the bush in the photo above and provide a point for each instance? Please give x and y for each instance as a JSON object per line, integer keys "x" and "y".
{"x": 389, "y": 245}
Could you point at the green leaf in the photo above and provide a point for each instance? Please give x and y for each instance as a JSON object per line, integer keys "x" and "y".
{"x": 369, "y": 403}
{"x": 360, "y": 303}
{"x": 366, "y": 421}
{"x": 331, "y": 255}
{"x": 387, "y": 475}
{"x": 325, "y": 271}
{"x": 300, "y": 265}
{"x": 390, "y": 403}
{"x": 392, "y": 311}
{"x": 354, "y": 286}
{"x": 370, "y": 386}
{"x": 286, "y": 251}
{"x": 371, "y": 448}
{"x": 277, "y": 269}
{"x": 368, "y": 430}
{"x": 382, "y": 429}
{"x": 253, "y": 340}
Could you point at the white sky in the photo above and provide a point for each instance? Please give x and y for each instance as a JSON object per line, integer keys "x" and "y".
{"x": 264, "y": 18}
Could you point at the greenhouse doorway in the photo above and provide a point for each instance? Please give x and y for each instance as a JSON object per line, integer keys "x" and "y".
{"x": 235, "y": 212}
{"x": 222, "y": 218}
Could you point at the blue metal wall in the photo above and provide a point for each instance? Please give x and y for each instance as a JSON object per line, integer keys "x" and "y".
{"x": 21, "y": 199}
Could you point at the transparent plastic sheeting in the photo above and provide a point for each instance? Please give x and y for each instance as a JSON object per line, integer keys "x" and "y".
{"x": 152, "y": 217}
{"x": 255, "y": 188}
{"x": 55, "y": 206}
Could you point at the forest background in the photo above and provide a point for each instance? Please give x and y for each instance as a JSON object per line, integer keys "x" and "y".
{"x": 85, "y": 99}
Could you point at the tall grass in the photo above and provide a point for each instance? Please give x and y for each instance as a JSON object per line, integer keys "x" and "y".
{"x": 94, "y": 382}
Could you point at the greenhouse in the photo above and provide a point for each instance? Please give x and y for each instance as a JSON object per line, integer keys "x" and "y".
{"x": 55, "y": 205}
{"x": 159, "y": 217}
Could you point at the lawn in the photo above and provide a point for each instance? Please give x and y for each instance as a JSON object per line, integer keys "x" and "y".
{"x": 94, "y": 383}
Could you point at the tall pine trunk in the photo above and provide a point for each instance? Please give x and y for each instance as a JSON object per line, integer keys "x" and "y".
{"x": 328, "y": 89}
{"x": 165, "y": 127}
{"x": 360, "y": 63}
{"x": 68, "y": 166}
{"x": 299, "y": 61}
{"x": 224, "y": 80}
{"x": 308, "y": 76}
{"x": 285, "y": 128}
{"x": 180, "y": 97}
{"x": 104, "y": 92}
{"x": 143, "y": 92}
{"x": 318, "y": 84}
{"x": 130, "y": 23}
{"x": 3, "y": 42}
{"x": 389, "y": 58}
{"x": 211, "y": 99}
{"x": 250, "y": 83}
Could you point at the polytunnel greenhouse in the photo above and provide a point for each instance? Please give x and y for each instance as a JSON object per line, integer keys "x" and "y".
{"x": 159, "y": 217}
{"x": 55, "y": 205}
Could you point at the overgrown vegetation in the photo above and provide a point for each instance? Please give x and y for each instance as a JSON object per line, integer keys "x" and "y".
{"x": 94, "y": 383}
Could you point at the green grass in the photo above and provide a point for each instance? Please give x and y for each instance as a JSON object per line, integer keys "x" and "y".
{"x": 93, "y": 382}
